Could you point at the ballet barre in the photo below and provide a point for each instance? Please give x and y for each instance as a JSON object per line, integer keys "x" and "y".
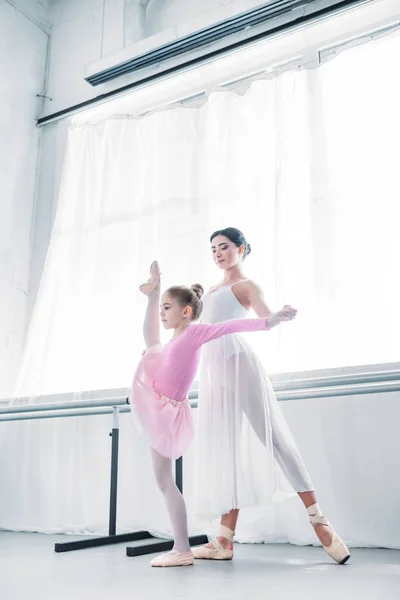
{"x": 366, "y": 382}
{"x": 102, "y": 406}
{"x": 285, "y": 389}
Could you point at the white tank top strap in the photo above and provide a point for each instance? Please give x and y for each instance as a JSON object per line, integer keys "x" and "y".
{"x": 240, "y": 281}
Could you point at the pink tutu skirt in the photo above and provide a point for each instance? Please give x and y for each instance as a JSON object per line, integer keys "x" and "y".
{"x": 166, "y": 422}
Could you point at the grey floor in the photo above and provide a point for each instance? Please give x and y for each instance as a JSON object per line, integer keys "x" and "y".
{"x": 29, "y": 569}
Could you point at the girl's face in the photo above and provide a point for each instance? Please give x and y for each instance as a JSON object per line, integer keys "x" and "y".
{"x": 225, "y": 253}
{"x": 171, "y": 312}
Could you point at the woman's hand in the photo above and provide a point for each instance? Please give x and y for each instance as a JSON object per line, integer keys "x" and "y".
{"x": 287, "y": 313}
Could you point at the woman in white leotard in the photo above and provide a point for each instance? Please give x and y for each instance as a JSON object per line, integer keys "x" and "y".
{"x": 246, "y": 455}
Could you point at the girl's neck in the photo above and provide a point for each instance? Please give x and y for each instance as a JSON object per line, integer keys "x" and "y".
{"x": 180, "y": 329}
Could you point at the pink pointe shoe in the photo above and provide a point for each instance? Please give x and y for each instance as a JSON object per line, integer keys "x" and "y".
{"x": 153, "y": 281}
{"x": 337, "y": 548}
{"x": 173, "y": 559}
{"x": 217, "y": 552}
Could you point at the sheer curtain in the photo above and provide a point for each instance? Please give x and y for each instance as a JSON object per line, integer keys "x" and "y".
{"x": 305, "y": 165}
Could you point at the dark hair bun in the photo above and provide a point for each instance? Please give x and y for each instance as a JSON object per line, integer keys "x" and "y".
{"x": 198, "y": 289}
{"x": 247, "y": 250}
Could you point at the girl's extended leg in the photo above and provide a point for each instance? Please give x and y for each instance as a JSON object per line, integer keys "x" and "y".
{"x": 151, "y": 323}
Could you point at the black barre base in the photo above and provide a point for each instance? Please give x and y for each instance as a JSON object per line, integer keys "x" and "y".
{"x": 163, "y": 546}
{"x": 102, "y": 541}
{"x": 151, "y": 548}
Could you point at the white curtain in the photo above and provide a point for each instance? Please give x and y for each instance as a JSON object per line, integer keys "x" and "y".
{"x": 306, "y": 166}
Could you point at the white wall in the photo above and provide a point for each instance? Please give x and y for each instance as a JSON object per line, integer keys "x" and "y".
{"x": 36, "y": 10}
{"x": 163, "y": 14}
{"x": 76, "y": 40}
{"x": 23, "y": 50}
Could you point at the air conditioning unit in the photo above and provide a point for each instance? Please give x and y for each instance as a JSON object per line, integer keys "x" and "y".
{"x": 172, "y": 50}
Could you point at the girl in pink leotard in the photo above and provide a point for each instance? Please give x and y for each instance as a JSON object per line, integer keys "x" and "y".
{"x": 161, "y": 383}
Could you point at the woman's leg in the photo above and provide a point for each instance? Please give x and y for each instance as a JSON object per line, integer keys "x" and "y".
{"x": 290, "y": 461}
{"x": 228, "y": 520}
{"x": 323, "y": 532}
{"x": 294, "y": 472}
{"x": 293, "y": 468}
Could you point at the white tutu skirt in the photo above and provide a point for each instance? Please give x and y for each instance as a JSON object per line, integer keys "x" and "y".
{"x": 240, "y": 431}
{"x": 167, "y": 423}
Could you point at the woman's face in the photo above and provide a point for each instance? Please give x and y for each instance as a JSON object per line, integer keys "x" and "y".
{"x": 225, "y": 253}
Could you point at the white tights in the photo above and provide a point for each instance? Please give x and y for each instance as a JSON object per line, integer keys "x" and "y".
{"x": 176, "y": 507}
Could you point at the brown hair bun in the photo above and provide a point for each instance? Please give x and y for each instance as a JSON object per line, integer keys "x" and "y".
{"x": 198, "y": 290}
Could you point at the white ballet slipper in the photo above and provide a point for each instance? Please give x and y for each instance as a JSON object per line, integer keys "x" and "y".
{"x": 173, "y": 559}
{"x": 337, "y": 548}
{"x": 153, "y": 281}
{"x": 217, "y": 552}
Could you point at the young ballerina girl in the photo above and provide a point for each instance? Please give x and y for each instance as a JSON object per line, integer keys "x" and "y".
{"x": 161, "y": 383}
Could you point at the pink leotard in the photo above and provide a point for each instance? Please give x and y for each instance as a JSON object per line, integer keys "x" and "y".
{"x": 162, "y": 381}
